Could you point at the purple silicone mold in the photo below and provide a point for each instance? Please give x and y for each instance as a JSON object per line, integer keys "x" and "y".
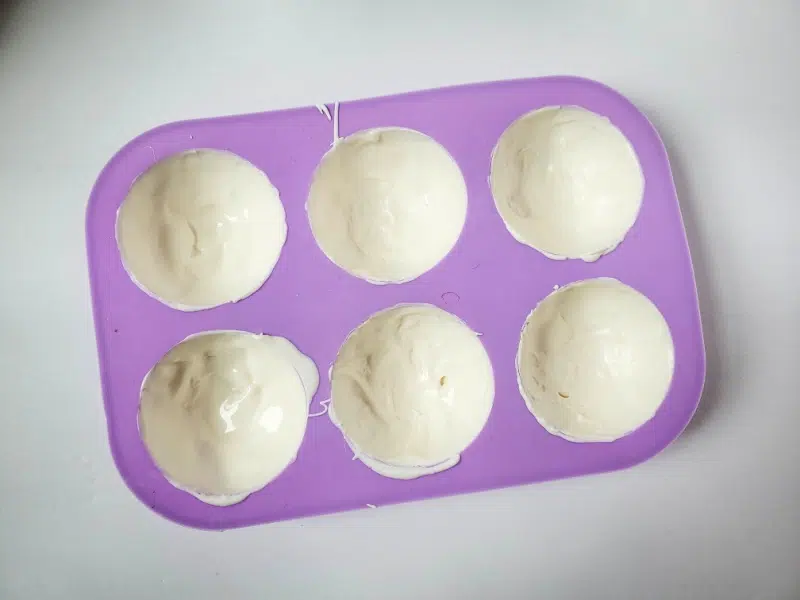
{"x": 489, "y": 280}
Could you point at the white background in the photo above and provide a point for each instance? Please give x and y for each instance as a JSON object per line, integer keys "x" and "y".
{"x": 717, "y": 515}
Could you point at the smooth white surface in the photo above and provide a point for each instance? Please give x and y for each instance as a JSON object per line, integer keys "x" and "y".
{"x": 387, "y": 204}
{"x": 223, "y": 413}
{"x": 595, "y": 360}
{"x": 567, "y": 182}
{"x": 411, "y": 388}
{"x": 200, "y": 229}
{"x": 716, "y": 516}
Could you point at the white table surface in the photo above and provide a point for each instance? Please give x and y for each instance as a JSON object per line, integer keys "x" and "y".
{"x": 717, "y": 515}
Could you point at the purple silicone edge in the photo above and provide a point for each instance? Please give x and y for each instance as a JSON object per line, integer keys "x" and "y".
{"x": 232, "y": 119}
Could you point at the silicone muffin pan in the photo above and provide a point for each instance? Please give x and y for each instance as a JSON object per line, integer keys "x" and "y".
{"x": 489, "y": 280}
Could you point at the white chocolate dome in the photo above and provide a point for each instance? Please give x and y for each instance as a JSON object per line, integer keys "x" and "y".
{"x": 200, "y": 229}
{"x": 387, "y": 205}
{"x": 222, "y": 414}
{"x": 566, "y": 182}
{"x": 411, "y": 388}
{"x": 595, "y": 361}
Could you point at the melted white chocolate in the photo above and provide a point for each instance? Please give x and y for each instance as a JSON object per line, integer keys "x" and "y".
{"x": 223, "y": 413}
{"x": 595, "y": 361}
{"x": 200, "y": 229}
{"x": 411, "y": 388}
{"x": 566, "y": 182}
{"x": 387, "y": 205}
